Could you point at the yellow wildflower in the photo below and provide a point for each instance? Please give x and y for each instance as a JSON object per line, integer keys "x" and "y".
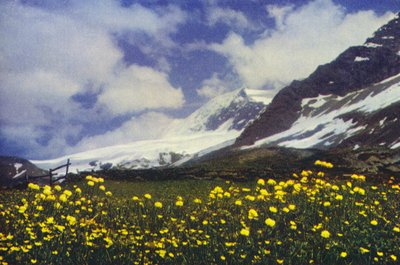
{"x": 325, "y": 234}
{"x": 245, "y": 231}
{"x": 252, "y": 214}
{"x": 270, "y": 222}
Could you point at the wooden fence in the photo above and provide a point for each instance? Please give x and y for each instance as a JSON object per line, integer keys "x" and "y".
{"x": 51, "y": 174}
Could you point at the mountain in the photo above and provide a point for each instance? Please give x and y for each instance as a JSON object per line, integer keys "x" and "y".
{"x": 230, "y": 111}
{"x": 13, "y": 170}
{"x": 352, "y": 101}
{"x": 211, "y": 127}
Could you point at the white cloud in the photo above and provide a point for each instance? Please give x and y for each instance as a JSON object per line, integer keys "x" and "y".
{"x": 305, "y": 37}
{"x": 49, "y": 55}
{"x": 233, "y": 18}
{"x": 148, "y": 126}
{"x": 214, "y": 86}
{"x": 138, "y": 88}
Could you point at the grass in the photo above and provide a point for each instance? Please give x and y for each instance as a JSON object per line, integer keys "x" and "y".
{"x": 308, "y": 218}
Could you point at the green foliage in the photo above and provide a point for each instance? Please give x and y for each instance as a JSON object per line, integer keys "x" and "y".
{"x": 308, "y": 218}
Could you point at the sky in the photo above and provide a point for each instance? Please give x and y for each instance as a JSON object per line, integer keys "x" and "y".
{"x": 77, "y": 75}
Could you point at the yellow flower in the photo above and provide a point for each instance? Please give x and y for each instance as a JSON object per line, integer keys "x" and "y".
{"x": 374, "y": 222}
{"x": 60, "y": 228}
{"x": 63, "y": 197}
{"x": 379, "y": 253}
{"x": 261, "y": 182}
{"x": 250, "y": 197}
{"x": 270, "y": 222}
{"x": 198, "y": 201}
{"x": 222, "y": 258}
{"x": 393, "y": 257}
{"x": 238, "y": 202}
{"x": 109, "y": 193}
{"x": 101, "y": 187}
{"x": 57, "y": 187}
{"x": 158, "y": 204}
{"x": 292, "y": 207}
{"x": 327, "y": 204}
{"x": 363, "y": 250}
{"x": 343, "y": 254}
{"x": 147, "y": 196}
{"x": 323, "y": 164}
{"x": 245, "y": 231}
{"x": 280, "y": 261}
{"x": 90, "y": 183}
{"x": 135, "y": 198}
{"x": 108, "y": 241}
{"x": 252, "y": 214}
{"x": 396, "y": 229}
{"x": 339, "y": 197}
{"x": 325, "y": 234}
{"x": 78, "y": 190}
{"x": 71, "y": 220}
{"x": 273, "y": 209}
{"x": 162, "y": 253}
{"x": 271, "y": 182}
{"x": 33, "y": 261}
{"x": 33, "y": 186}
{"x": 179, "y": 203}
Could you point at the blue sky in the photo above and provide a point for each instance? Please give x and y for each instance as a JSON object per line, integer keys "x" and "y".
{"x": 77, "y": 75}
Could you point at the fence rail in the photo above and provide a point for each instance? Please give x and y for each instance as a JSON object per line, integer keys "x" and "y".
{"x": 51, "y": 174}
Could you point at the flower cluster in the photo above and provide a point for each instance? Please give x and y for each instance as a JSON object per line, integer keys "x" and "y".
{"x": 305, "y": 219}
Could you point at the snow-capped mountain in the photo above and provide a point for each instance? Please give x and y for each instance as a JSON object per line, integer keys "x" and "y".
{"x": 231, "y": 111}
{"x": 213, "y": 126}
{"x": 352, "y": 101}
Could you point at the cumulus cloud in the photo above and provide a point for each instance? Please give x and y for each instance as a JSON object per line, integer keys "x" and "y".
{"x": 215, "y": 86}
{"x": 48, "y": 55}
{"x": 138, "y": 88}
{"x": 150, "y": 125}
{"x": 304, "y": 38}
{"x": 233, "y": 18}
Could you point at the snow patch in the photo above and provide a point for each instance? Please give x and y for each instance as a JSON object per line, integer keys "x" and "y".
{"x": 361, "y": 59}
{"x": 317, "y": 101}
{"x": 388, "y": 37}
{"x": 381, "y": 122}
{"x": 22, "y": 173}
{"x": 372, "y": 45}
{"x": 396, "y": 145}
{"x": 17, "y": 166}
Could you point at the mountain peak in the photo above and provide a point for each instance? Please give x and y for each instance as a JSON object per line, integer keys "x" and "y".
{"x": 229, "y": 111}
{"x": 388, "y": 36}
{"x": 355, "y": 69}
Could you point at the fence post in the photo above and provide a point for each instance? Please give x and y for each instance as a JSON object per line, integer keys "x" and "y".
{"x": 26, "y": 178}
{"x": 51, "y": 177}
{"x": 66, "y": 170}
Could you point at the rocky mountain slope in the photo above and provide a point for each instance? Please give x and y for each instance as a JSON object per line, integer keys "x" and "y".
{"x": 13, "y": 170}
{"x": 352, "y": 101}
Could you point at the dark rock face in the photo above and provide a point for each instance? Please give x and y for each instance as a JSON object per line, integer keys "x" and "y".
{"x": 356, "y": 68}
{"x": 11, "y": 166}
{"x": 241, "y": 111}
{"x": 381, "y": 128}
